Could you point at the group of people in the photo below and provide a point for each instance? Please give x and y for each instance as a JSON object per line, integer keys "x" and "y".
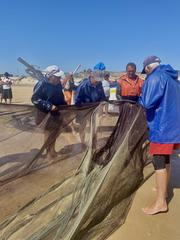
{"x": 5, "y": 88}
{"x": 127, "y": 87}
{"x": 158, "y": 94}
{"x": 96, "y": 86}
{"x": 57, "y": 89}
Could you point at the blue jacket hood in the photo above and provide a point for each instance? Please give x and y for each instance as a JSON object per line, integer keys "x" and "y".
{"x": 169, "y": 71}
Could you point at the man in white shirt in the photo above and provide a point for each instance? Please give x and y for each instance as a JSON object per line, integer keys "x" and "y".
{"x": 106, "y": 84}
{"x": 6, "y": 88}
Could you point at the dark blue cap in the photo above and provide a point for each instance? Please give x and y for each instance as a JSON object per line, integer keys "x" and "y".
{"x": 6, "y": 74}
{"x": 149, "y": 60}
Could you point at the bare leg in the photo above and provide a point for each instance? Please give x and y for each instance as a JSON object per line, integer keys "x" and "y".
{"x": 82, "y": 130}
{"x": 51, "y": 146}
{"x": 160, "y": 204}
{"x": 105, "y": 110}
{"x": 168, "y": 168}
{"x": 52, "y": 151}
{"x": 82, "y": 135}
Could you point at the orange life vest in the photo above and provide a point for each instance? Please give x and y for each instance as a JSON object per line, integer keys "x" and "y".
{"x": 130, "y": 87}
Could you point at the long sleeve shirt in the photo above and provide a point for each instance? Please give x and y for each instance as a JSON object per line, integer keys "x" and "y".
{"x": 46, "y": 95}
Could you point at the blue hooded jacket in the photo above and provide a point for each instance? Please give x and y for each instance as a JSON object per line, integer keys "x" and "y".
{"x": 46, "y": 94}
{"x": 161, "y": 99}
{"x": 89, "y": 93}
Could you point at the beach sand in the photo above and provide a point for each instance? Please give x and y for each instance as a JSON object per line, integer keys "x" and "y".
{"x": 137, "y": 226}
{"x": 163, "y": 226}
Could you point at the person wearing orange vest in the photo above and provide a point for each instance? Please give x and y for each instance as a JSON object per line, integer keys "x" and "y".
{"x": 130, "y": 84}
{"x": 69, "y": 87}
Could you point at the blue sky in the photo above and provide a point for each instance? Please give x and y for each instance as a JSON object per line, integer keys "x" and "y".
{"x": 69, "y": 32}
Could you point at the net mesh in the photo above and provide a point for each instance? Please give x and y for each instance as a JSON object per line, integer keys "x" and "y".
{"x": 72, "y": 174}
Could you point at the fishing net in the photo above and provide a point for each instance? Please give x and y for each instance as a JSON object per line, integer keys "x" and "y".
{"x": 70, "y": 174}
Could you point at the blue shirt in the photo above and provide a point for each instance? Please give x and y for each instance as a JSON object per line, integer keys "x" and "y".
{"x": 89, "y": 93}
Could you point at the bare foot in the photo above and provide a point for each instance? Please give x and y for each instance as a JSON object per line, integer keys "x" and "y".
{"x": 51, "y": 156}
{"x": 52, "y": 153}
{"x": 155, "y": 209}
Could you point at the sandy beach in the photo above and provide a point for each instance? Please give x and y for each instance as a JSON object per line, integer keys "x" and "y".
{"x": 163, "y": 226}
{"x": 138, "y": 225}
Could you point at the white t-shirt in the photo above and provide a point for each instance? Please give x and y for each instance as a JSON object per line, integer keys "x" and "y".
{"x": 106, "y": 87}
{"x": 8, "y": 81}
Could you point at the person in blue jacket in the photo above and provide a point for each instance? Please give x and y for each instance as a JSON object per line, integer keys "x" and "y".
{"x": 161, "y": 100}
{"x": 47, "y": 97}
{"x": 90, "y": 90}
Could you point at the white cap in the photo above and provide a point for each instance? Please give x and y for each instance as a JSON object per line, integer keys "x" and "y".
{"x": 53, "y": 70}
{"x": 61, "y": 74}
